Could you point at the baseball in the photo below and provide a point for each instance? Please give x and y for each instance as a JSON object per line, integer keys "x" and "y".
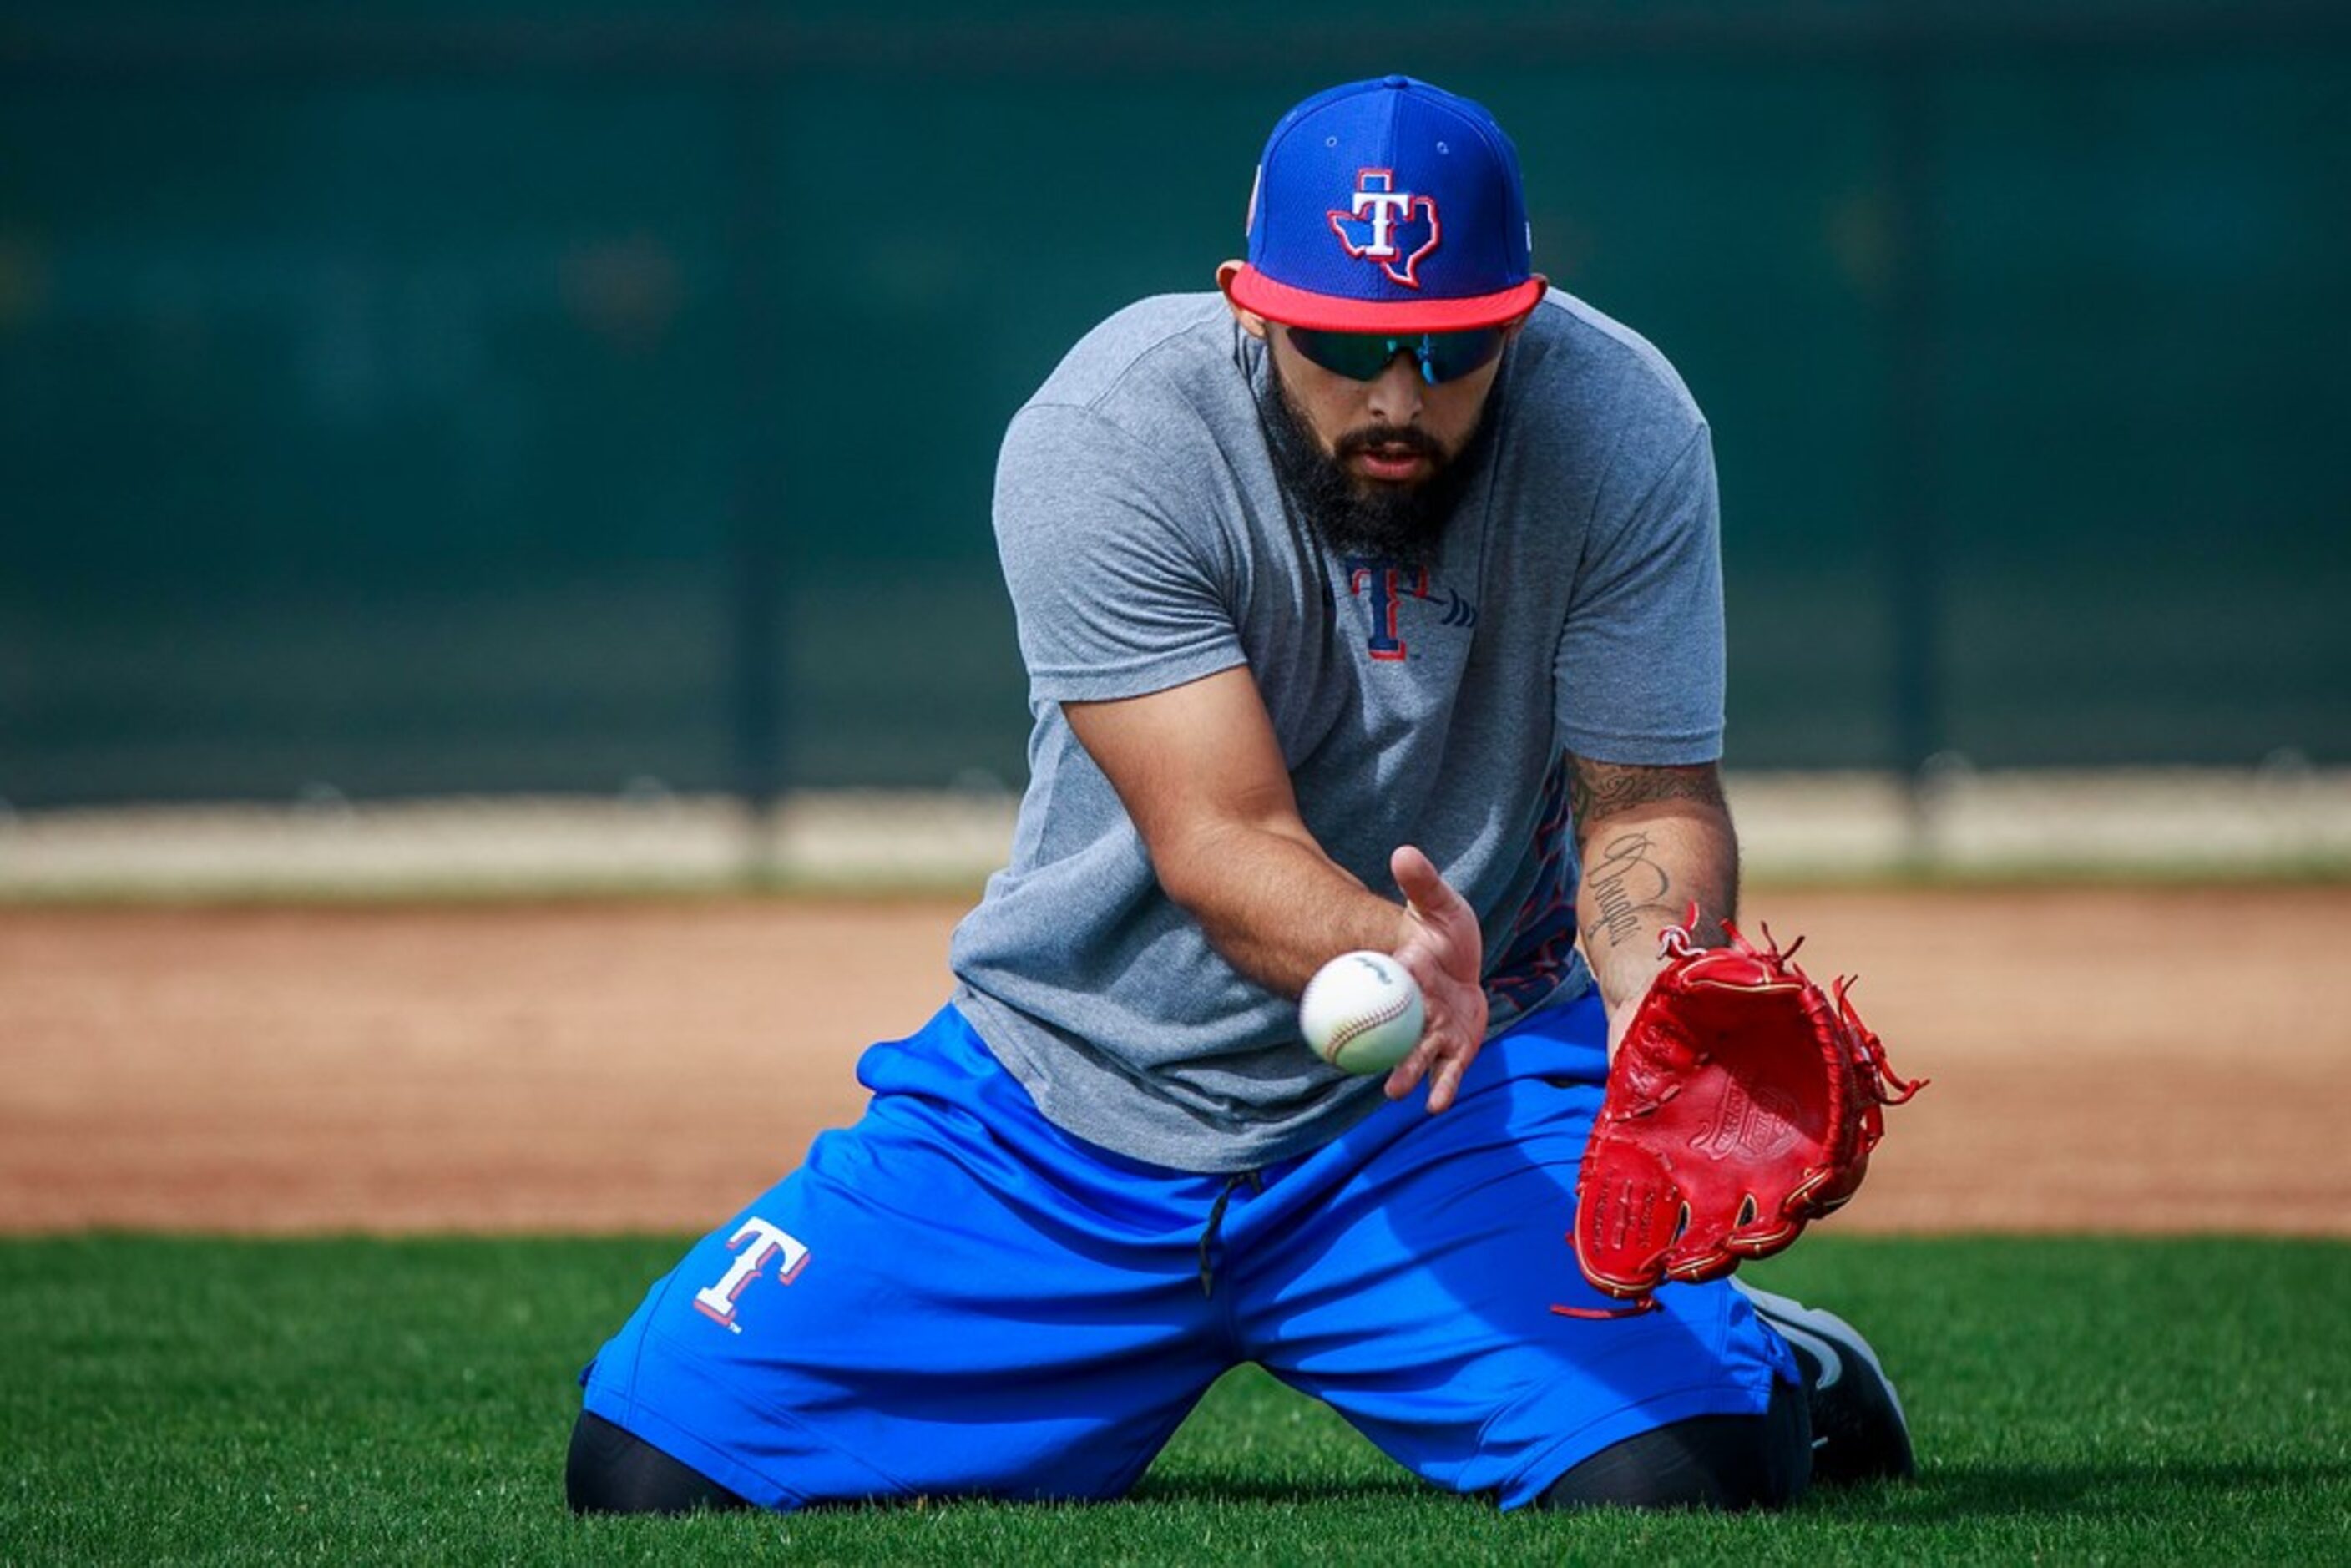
{"x": 1361, "y": 1012}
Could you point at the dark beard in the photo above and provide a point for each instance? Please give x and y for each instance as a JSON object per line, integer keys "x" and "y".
{"x": 1402, "y": 523}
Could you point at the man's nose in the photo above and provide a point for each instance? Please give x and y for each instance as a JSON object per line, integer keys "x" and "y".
{"x": 1396, "y": 391}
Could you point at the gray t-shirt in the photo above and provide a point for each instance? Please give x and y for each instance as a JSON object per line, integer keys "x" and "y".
{"x": 1575, "y": 605}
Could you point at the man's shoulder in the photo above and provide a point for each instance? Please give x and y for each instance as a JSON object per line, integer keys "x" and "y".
{"x": 1171, "y": 345}
{"x": 1583, "y": 356}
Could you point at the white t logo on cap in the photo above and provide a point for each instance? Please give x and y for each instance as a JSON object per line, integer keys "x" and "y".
{"x": 1383, "y": 207}
{"x": 1377, "y": 210}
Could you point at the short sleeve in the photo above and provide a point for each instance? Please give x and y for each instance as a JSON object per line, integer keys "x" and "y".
{"x": 1640, "y": 662}
{"x": 1110, "y": 562}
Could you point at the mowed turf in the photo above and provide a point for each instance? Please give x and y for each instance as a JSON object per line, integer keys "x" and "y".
{"x": 188, "y": 1399}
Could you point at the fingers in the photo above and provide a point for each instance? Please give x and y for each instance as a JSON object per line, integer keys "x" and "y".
{"x": 1440, "y": 925}
{"x": 1445, "y": 1055}
{"x": 1442, "y": 952}
{"x": 1443, "y": 1070}
{"x": 1422, "y": 884}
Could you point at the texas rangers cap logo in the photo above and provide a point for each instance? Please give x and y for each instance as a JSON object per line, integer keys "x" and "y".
{"x": 1386, "y": 225}
{"x": 1386, "y": 206}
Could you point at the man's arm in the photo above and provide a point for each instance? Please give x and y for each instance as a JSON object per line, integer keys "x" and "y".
{"x": 1201, "y": 773}
{"x": 1653, "y": 840}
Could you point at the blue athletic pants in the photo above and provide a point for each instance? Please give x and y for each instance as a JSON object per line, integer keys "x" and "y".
{"x": 956, "y": 1298}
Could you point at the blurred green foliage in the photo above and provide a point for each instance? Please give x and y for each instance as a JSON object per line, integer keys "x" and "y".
{"x": 427, "y": 397}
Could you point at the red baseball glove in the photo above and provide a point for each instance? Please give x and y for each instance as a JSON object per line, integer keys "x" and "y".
{"x": 1742, "y": 1105}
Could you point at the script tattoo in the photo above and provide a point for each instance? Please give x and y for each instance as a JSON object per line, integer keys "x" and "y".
{"x": 1625, "y": 881}
{"x": 1644, "y": 871}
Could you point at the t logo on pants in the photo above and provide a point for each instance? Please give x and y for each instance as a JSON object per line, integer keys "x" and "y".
{"x": 754, "y": 1245}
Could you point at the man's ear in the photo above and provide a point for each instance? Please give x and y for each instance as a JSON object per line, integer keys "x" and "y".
{"x": 1251, "y": 322}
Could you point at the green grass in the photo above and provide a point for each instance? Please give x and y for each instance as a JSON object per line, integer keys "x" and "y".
{"x": 2075, "y": 1401}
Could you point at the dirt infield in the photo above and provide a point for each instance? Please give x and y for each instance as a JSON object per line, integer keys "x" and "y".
{"x": 2126, "y": 1058}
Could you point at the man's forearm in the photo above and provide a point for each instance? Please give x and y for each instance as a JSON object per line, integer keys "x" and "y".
{"x": 1641, "y": 876}
{"x": 1274, "y": 904}
{"x": 1204, "y": 780}
{"x": 1653, "y": 842}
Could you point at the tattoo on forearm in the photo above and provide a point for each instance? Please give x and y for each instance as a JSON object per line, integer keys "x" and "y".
{"x": 1598, "y": 790}
{"x": 1626, "y": 881}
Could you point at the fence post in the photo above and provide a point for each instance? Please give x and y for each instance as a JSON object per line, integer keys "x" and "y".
{"x": 755, "y": 557}
{"x": 1913, "y": 556}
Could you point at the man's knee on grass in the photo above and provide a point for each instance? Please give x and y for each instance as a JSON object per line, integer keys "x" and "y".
{"x": 1726, "y": 1462}
{"x": 612, "y": 1470}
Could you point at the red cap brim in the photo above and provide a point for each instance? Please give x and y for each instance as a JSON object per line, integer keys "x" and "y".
{"x": 1253, "y": 290}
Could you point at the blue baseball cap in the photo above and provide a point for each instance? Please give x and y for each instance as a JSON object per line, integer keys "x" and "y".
{"x": 1387, "y": 205}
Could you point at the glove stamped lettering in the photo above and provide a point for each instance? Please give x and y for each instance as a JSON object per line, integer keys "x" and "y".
{"x": 1757, "y": 1124}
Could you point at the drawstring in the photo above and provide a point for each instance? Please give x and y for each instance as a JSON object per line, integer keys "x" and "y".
{"x": 1645, "y": 1304}
{"x": 1217, "y": 1219}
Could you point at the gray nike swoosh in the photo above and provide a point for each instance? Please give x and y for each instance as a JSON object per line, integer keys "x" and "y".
{"x": 1831, "y": 1364}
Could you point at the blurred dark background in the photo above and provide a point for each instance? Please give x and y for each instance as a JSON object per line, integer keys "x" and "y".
{"x": 413, "y": 397}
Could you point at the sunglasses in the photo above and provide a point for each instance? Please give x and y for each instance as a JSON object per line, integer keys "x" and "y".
{"x": 1365, "y": 356}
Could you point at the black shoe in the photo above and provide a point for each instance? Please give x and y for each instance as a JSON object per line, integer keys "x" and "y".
{"x": 1859, "y": 1433}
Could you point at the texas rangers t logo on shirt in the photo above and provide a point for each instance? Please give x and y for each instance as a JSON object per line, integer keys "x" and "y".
{"x": 1387, "y": 225}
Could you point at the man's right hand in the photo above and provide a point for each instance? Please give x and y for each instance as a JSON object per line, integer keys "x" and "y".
{"x": 1441, "y": 945}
